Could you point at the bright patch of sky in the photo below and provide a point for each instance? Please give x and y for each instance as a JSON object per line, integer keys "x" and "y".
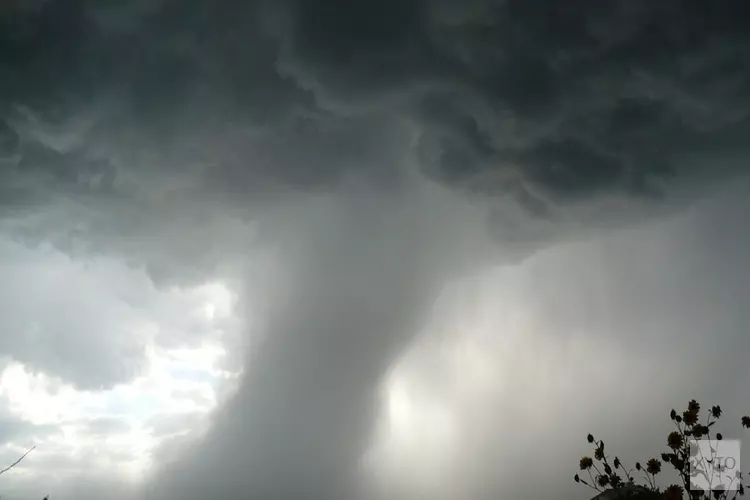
{"x": 177, "y": 367}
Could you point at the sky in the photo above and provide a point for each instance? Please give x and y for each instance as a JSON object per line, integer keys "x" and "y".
{"x": 359, "y": 249}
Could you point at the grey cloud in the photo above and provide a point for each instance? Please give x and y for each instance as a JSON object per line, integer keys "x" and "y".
{"x": 103, "y": 426}
{"x": 58, "y": 321}
{"x": 87, "y": 328}
{"x": 16, "y": 430}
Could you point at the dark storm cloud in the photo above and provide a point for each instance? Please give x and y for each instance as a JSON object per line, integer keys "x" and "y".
{"x": 147, "y": 123}
{"x": 544, "y": 101}
{"x": 175, "y": 84}
{"x": 579, "y": 98}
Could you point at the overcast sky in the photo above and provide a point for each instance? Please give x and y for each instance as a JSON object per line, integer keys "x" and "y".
{"x": 365, "y": 249}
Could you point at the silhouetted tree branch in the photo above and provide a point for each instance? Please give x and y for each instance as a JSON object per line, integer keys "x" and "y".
{"x": 17, "y": 461}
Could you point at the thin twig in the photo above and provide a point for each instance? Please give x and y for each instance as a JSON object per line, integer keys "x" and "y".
{"x": 17, "y": 461}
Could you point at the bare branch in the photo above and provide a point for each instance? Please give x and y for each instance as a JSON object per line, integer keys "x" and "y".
{"x": 17, "y": 461}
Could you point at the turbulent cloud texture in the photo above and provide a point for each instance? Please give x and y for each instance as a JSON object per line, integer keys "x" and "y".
{"x": 339, "y": 163}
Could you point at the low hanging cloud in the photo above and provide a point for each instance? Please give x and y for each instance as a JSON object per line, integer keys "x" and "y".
{"x": 340, "y": 162}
